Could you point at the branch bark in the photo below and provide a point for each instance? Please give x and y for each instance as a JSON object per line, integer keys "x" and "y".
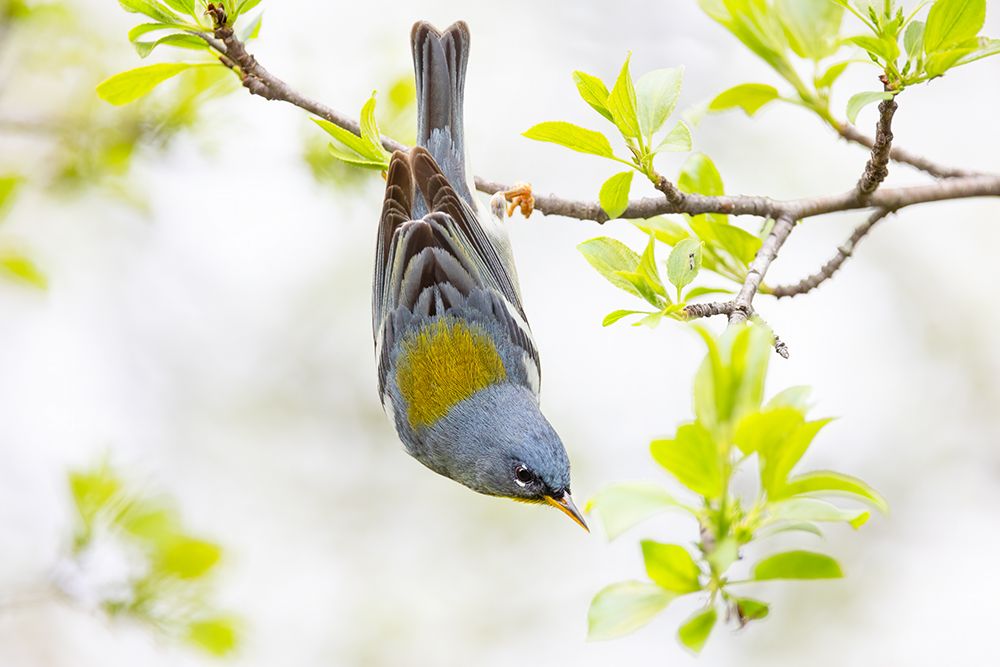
{"x": 897, "y": 154}
{"x": 878, "y": 163}
{"x": 826, "y": 272}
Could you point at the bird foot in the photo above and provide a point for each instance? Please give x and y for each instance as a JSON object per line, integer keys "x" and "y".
{"x": 520, "y": 197}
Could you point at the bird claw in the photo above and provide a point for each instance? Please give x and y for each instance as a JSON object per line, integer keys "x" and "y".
{"x": 520, "y": 197}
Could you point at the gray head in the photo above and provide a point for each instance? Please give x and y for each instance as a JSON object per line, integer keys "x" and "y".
{"x": 498, "y": 442}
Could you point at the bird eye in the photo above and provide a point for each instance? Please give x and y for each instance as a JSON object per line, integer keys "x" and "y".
{"x": 523, "y": 476}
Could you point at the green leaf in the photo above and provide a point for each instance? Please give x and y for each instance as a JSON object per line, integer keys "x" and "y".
{"x": 665, "y": 230}
{"x": 913, "y": 39}
{"x": 183, "y": 7}
{"x": 614, "y": 193}
{"x": 622, "y": 506}
{"x": 652, "y": 321}
{"x": 571, "y": 136}
{"x": 622, "y": 103}
{"x": 827, "y": 481}
{"x": 749, "y": 609}
{"x": 951, "y": 22}
{"x": 987, "y": 47}
{"x": 369, "y": 128}
{"x": 699, "y": 176}
{"x": 624, "y": 607}
{"x": 684, "y": 262}
{"x": 656, "y": 97}
{"x": 9, "y": 185}
{"x": 671, "y": 567}
{"x": 593, "y": 91}
{"x": 647, "y": 268}
{"x": 151, "y": 9}
{"x": 136, "y": 83}
{"x": 252, "y": 31}
{"x": 811, "y": 26}
{"x": 616, "y": 315}
{"x": 695, "y": 631}
{"x": 612, "y": 258}
{"x": 795, "y": 397}
{"x": 779, "y": 461}
{"x": 246, "y": 6}
{"x": 882, "y": 48}
{"x": 748, "y": 96}
{"x": 940, "y": 62}
{"x": 766, "y": 432}
{"x": 693, "y": 458}
{"x": 183, "y": 41}
{"x": 188, "y": 558}
{"x": 738, "y": 242}
{"x": 785, "y": 527}
{"x": 725, "y": 553}
{"x": 831, "y": 74}
{"x": 703, "y": 291}
{"x": 21, "y": 267}
{"x": 356, "y": 160}
{"x": 861, "y": 100}
{"x": 797, "y": 565}
{"x": 364, "y": 149}
{"x": 678, "y": 140}
{"x": 215, "y": 635}
{"x": 811, "y": 509}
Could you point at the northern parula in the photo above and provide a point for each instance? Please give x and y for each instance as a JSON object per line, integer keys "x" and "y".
{"x": 458, "y": 370}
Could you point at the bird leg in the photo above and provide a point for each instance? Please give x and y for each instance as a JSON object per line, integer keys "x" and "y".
{"x": 519, "y": 197}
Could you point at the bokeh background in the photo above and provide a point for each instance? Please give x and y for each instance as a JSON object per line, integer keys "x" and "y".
{"x": 206, "y": 325}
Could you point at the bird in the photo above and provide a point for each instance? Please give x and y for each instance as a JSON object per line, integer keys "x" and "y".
{"x": 458, "y": 369}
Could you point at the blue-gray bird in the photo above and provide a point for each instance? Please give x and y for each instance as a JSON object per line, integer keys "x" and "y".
{"x": 457, "y": 367}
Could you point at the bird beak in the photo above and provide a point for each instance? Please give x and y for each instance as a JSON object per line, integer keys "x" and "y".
{"x": 564, "y": 503}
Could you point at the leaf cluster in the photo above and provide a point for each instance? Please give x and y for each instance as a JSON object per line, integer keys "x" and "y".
{"x": 172, "y": 587}
{"x": 733, "y": 426}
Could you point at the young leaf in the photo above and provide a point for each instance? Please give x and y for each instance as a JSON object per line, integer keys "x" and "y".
{"x": 611, "y": 258}
{"x": 9, "y": 186}
{"x": 951, "y": 22}
{"x": 188, "y": 558}
{"x": 369, "y": 128}
{"x": 693, "y": 458}
{"x": 913, "y": 39}
{"x": 656, "y": 97}
{"x": 748, "y": 96}
{"x": 622, "y": 103}
{"x": 861, "y": 100}
{"x": 765, "y": 433}
{"x": 738, "y": 242}
{"x": 21, "y": 267}
{"x": 151, "y": 9}
{"x": 136, "y": 83}
{"x": 665, "y": 230}
{"x": 364, "y": 149}
{"x": 699, "y": 176}
{"x": 832, "y": 73}
{"x": 215, "y": 635}
{"x": 786, "y": 527}
{"x": 616, "y": 315}
{"x": 180, "y": 40}
{"x": 795, "y": 397}
{"x": 749, "y": 609}
{"x": 695, "y": 631}
{"x": 594, "y": 92}
{"x": 811, "y": 26}
{"x": 703, "y": 291}
{"x": 678, "y": 140}
{"x": 827, "y": 481}
{"x": 671, "y": 567}
{"x": 811, "y": 509}
{"x": 647, "y": 268}
{"x": 571, "y": 136}
{"x": 625, "y": 607}
{"x": 779, "y": 461}
{"x": 614, "y": 193}
{"x": 684, "y": 262}
{"x": 183, "y": 7}
{"x": 622, "y": 506}
{"x": 797, "y": 565}
{"x": 725, "y": 553}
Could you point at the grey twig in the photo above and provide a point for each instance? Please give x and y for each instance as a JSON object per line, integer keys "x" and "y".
{"x": 878, "y": 164}
{"x": 694, "y": 311}
{"x": 826, "y": 272}
{"x": 758, "y": 267}
{"x": 897, "y": 154}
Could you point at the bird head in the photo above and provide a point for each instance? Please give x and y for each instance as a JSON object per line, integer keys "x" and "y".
{"x": 498, "y": 442}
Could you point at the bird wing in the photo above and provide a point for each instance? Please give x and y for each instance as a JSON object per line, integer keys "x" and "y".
{"x": 441, "y": 262}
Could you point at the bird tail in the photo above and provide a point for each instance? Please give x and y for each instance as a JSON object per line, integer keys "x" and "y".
{"x": 439, "y": 62}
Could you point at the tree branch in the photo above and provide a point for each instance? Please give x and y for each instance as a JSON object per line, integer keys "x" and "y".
{"x": 826, "y": 272}
{"x": 878, "y": 164}
{"x": 742, "y": 304}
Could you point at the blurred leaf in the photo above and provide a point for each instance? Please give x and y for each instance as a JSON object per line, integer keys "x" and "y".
{"x": 827, "y": 481}
{"x": 93, "y": 490}
{"x": 913, "y": 39}
{"x": 811, "y": 26}
{"x": 699, "y": 176}
{"x": 252, "y": 31}
{"x": 622, "y": 506}
{"x": 246, "y": 6}
{"x": 702, "y": 291}
{"x": 725, "y": 553}
{"x": 571, "y": 136}
{"x": 693, "y": 458}
{"x": 748, "y": 96}
{"x": 622, "y": 103}
{"x": 365, "y": 152}
{"x": 861, "y": 100}
{"x": 183, "y": 7}
{"x": 656, "y": 97}
{"x": 750, "y": 609}
{"x": 778, "y": 461}
{"x": 614, "y": 193}
{"x": 647, "y": 268}
{"x": 738, "y": 242}
{"x": 179, "y": 40}
{"x": 665, "y": 230}
{"x": 616, "y": 315}
{"x": 695, "y": 631}
{"x": 188, "y": 558}
{"x": 951, "y": 22}
{"x": 730, "y": 382}
{"x": 625, "y": 607}
{"x": 9, "y": 185}
{"x": 594, "y": 92}
{"x": 151, "y": 9}
{"x": 150, "y": 523}
{"x": 811, "y": 509}
{"x": 797, "y": 565}
{"x": 21, "y": 267}
{"x": 137, "y": 83}
{"x": 215, "y": 635}
{"x": 885, "y": 49}
{"x": 684, "y": 262}
{"x": 789, "y": 527}
{"x": 678, "y": 140}
{"x": 795, "y": 397}
{"x": 987, "y": 47}
{"x": 671, "y": 567}
{"x": 940, "y": 62}
{"x": 766, "y": 432}
{"x": 831, "y": 74}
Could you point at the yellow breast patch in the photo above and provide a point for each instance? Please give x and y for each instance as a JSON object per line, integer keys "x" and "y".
{"x": 442, "y": 365}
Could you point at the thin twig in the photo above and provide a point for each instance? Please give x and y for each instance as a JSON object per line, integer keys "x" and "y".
{"x": 904, "y": 156}
{"x": 877, "y": 167}
{"x": 758, "y": 267}
{"x": 826, "y": 272}
{"x": 694, "y": 311}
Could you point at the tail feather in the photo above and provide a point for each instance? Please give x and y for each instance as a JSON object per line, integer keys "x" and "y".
{"x": 440, "y": 60}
